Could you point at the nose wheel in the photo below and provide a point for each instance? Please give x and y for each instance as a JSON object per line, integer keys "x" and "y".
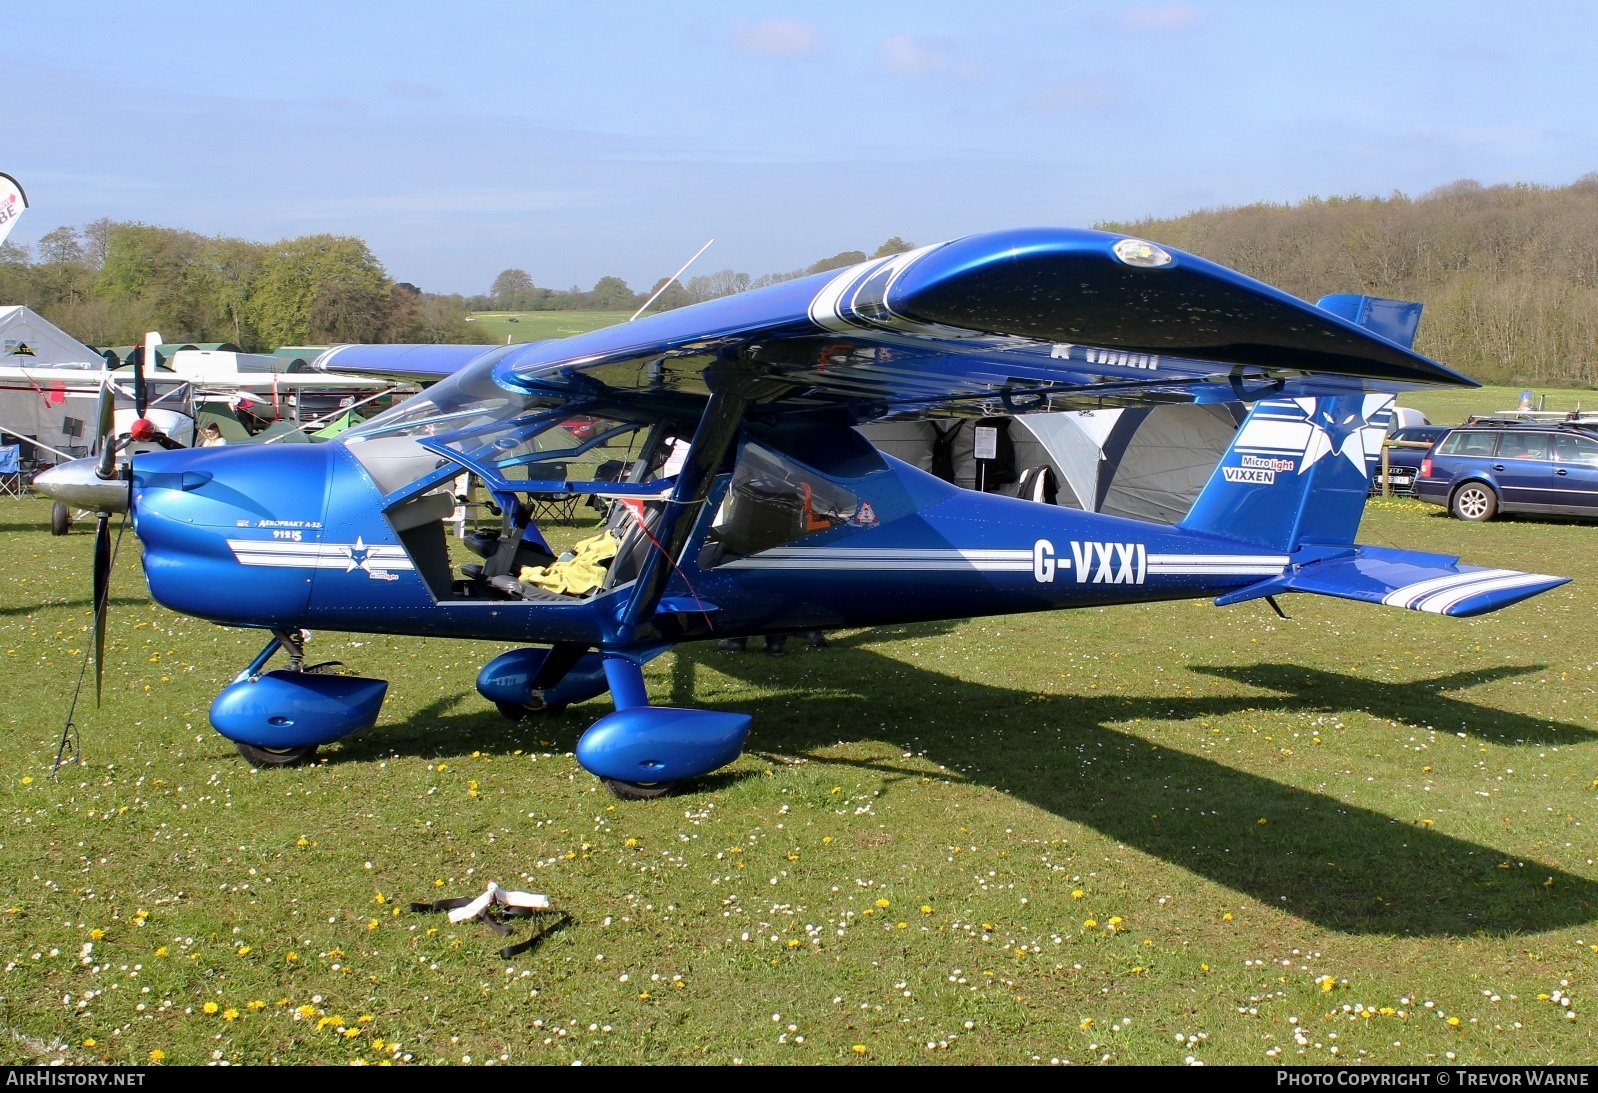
{"x": 637, "y": 791}
{"x": 275, "y": 757}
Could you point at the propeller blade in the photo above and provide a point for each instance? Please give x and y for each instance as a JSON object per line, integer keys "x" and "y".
{"x": 107, "y": 431}
{"x": 141, "y": 398}
{"x": 102, "y": 587}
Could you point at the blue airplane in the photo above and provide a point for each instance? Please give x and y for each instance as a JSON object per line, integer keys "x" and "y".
{"x": 748, "y": 504}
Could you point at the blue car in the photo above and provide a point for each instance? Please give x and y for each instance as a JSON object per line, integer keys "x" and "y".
{"x": 1486, "y": 467}
{"x": 1403, "y": 463}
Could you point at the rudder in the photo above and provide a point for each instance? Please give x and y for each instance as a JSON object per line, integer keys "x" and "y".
{"x": 1297, "y": 472}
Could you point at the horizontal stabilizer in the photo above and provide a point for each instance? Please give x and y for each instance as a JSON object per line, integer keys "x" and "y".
{"x": 1404, "y": 578}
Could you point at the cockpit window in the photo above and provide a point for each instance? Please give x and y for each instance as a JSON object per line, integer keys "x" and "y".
{"x": 773, "y": 500}
{"x": 469, "y": 397}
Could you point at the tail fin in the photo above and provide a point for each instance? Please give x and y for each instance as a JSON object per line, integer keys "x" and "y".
{"x": 1297, "y": 472}
{"x": 1394, "y": 320}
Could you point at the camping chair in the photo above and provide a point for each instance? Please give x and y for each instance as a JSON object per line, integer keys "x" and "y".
{"x": 552, "y": 506}
{"x": 12, "y": 484}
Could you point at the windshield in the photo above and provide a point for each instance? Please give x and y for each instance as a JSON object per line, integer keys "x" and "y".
{"x": 469, "y": 397}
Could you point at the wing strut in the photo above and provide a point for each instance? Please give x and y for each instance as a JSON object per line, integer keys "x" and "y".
{"x": 731, "y": 392}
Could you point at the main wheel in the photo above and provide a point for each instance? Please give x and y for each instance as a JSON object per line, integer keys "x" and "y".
{"x": 60, "y": 519}
{"x": 515, "y": 711}
{"x": 637, "y": 791}
{"x": 1474, "y": 501}
{"x": 275, "y": 757}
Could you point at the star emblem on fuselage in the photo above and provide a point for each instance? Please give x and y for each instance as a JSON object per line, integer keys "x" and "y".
{"x": 357, "y": 556}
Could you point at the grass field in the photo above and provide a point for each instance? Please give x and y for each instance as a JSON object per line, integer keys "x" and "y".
{"x": 1137, "y": 834}
{"x": 1450, "y": 406}
{"x": 532, "y": 326}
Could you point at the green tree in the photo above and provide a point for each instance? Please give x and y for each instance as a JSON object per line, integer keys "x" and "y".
{"x": 894, "y": 245}
{"x": 149, "y": 272}
{"x": 318, "y": 289}
{"x": 612, "y": 294}
{"x": 227, "y": 270}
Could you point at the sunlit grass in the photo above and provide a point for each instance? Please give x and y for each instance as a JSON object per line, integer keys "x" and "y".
{"x": 1129, "y": 835}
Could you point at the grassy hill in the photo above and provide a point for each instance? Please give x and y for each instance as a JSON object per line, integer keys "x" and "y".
{"x": 531, "y": 326}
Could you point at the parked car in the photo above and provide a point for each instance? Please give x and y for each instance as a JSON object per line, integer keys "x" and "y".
{"x": 1483, "y": 468}
{"x": 1403, "y": 463}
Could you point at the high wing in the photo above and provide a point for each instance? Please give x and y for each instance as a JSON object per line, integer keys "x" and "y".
{"x": 1026, "y": 318}
{"x": 418, "y": 363}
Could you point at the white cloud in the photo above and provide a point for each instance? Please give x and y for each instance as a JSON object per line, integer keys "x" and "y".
{"x": 780, "y": 38}
{"x": 1165, "y": 19}
{"x": 905, "y": 55}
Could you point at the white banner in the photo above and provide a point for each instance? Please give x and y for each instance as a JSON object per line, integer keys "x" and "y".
{"x": 12, "y": 202}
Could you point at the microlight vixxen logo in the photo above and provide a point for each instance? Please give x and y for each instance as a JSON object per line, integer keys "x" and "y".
{"x": 1257, "y": 469}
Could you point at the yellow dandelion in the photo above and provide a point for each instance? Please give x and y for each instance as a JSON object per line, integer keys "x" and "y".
{"x": 1115, "y": 920}
{"x": 926, "y": 909}
{"x": 826, "y": 838}
{"x": 1262, "y": 820}
{"x": 255, "y": 1004}
{"x": 281, "y": 1002}
{"x": 793, "y": 943}
{"x": 302, "y": 841}
{"x": 1078, "y": 894}
{"x": 904, "y": 925}
{"x": 157, "y": 1055}
{"x": 1453, "y": 1022}
{"x": 350, "y": 1033}
{"x": 96, "y": 934}
{"x": 380, "y": 898}
{"x": 644, "y": 997}
{"x": 1087, "y": 1023}
{"x": 90, "y": 1042}
{"x": 377, "y": 1045}
{"x": 161, "y": 951}
{"x": 306, "y": 1011}
{"x": 859, "y": 1049}
{"x": 631, "y": 842}
{"x": 209, "y": 1008}
{"x": 835, "y": 789}
{"x": 442, "y": 767}
{"x": 438, "y": 883}
{"x": 291, "y": 956}
{"x": 230, "y": 1014}
{"x": 1227, "y": 917}
{"x": 1326, "y": 983}
{"x": 1204, "y": 967}
{"x": 884, "y": 904}
{"x": 1089, "y": 923}
{"x": 1388, "y": 1011}
{"x": 244, "y": 950}
{"x": 365, "y": 1019}
{"x": 371, "y": 924}
{"x": 27, "y": 779}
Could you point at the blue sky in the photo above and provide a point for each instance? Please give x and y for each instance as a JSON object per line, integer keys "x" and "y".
{"x": 578, "y": 140}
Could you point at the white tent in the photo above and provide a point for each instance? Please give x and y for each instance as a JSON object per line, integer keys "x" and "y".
{"x": 1147, "y": 463}
{"x": 49, "y": 382}
{"x": 31, "y": 341}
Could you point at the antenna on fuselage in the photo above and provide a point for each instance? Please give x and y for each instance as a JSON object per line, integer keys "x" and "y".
{"x": 672, "y": 278}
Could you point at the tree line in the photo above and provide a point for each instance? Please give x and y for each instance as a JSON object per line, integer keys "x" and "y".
{"x": 108, "y": 282}
{"x": 1508, "y": 274}
{"x": 514, "y": 290}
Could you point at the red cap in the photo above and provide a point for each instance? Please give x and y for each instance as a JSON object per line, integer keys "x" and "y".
{"x": 143, "y": 429}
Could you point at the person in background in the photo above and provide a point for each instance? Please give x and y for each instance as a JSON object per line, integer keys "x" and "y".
{"x": 211, "y": 436}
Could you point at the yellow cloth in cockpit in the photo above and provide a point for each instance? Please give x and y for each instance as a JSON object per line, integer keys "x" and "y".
{"x": 578, "y": 575}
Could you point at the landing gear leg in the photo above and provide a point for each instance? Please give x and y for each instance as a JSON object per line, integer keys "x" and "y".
{"x": 627, "y": 689}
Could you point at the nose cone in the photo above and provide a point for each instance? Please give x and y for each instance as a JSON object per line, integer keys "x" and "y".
{"x": 77, "y": 484}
